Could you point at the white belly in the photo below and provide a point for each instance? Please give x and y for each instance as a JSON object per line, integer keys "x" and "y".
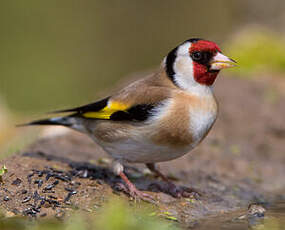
{"x": 201, "y": 122}
{"x": 143, "y": 151}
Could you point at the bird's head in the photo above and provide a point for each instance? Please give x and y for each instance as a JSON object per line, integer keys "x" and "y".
{"x": 196, "y": 62}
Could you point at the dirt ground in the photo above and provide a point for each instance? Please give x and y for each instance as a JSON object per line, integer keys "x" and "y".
{"x": 240, "y": 162}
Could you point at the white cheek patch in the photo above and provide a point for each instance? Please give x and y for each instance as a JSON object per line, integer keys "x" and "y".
{"x": 184, "y": 75}
{"x": 183, "y": 67}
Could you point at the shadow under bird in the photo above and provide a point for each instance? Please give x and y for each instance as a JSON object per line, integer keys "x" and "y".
{"x": 158, "y": 118}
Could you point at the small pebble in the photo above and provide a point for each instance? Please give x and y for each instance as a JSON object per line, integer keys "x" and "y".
{"x": 69, "y": 189}
{"x": 39, "y": 182}
{"x": 51, "y": 186}
{"x": 17, "y": 182}
{"x": 54, "y": 202}
{"x": 6, "y": 198}
{"x": 69, "y": 195}
{"x": 37, "y": 209}
{"x": 42, "y": 202}
{"x": 49, "y": 175}
{"x": 48, "y": 187}
{"x": 59, "y": 214}
{"x": 63, "y": 178}
{"x": 24, "y": 191}
{"x": 29, "y": 177}
{"x": 67, "y": 198}
{"x": 85, "y": 174}
{"x": 256, "y": 210}
{"x": 26, "y": 199}
{"x": 29, "y": 212}
{"x": 73, "y": 192}
{"x": 36, "y": 196}
{"x": 255, "y": 214}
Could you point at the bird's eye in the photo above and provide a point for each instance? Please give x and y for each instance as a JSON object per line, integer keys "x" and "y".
{"x": 196, "y": 56}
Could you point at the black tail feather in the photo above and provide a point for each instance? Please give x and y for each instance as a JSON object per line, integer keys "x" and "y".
{"x": 94, "y": 107}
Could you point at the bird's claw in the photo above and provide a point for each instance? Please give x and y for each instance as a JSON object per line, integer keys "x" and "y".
{"x": 176, "y": 191}
{"x": 134, "y": 193}
{"x": 183, "y": 192}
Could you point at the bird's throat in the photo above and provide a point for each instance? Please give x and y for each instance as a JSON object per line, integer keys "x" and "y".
{"x": 203, "y": 76}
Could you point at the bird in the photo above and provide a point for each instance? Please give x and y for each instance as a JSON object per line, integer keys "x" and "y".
{"x": 157, "y": 118}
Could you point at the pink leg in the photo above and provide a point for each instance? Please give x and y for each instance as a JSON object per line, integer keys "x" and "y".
{"x": 134, "y": 192}
{"x": 171, "y": 188}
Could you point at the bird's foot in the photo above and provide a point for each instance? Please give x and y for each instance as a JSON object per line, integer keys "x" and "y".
{"x": 132, "y": 191}
{"x": 171, "y": 188}
{"x": 177, "y": 191}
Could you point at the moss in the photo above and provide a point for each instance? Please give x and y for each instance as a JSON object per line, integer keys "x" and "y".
{"x": 256, "y": 51}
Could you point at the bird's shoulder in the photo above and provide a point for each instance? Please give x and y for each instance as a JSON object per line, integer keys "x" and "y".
{"x": 133, "y": 102}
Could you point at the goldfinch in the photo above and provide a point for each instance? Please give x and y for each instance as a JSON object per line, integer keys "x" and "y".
{"x": 158, "y": 118}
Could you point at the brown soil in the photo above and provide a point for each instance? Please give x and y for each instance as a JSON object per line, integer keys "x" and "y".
{"x": 240, "y": 162}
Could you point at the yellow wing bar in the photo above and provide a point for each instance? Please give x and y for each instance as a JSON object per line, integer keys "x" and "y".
{"x": 106, "y": 112}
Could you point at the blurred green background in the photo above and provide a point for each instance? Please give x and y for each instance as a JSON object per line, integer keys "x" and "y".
{"x": 56, "y": 54}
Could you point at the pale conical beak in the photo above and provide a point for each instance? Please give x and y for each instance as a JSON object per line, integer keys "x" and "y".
{"x": 221, "y": 61}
